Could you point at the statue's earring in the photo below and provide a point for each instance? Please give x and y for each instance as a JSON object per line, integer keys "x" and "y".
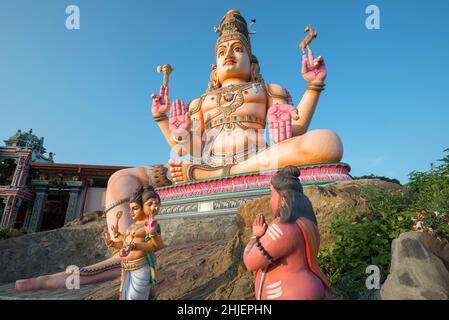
{"x": 215, "y": 81}
{"x": 255, "y": 73}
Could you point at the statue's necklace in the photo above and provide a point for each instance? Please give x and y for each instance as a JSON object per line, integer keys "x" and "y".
{"x": 233, "y": 94}
{"x": 132, "y": 232}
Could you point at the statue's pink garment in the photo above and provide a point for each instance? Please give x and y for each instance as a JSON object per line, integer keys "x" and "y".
{"x": 290, "y": 277}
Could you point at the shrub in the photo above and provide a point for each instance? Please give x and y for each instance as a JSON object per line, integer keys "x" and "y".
{"x": 9, "y": 232}
{"x": 364, "y": 238}
{"x": 6, "y": 232}
{"x": 372, "y": 176}
{"x": 432, "y": 187}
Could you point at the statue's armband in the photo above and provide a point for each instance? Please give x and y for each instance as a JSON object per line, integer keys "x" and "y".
{"x": 275, "y": 91}
{"x": 197, "y": 106}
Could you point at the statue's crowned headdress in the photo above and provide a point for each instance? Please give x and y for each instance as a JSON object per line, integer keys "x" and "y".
{"x": 233, "y": 27}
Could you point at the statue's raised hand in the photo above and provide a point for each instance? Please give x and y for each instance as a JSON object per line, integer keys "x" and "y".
{"x": 313, "y": 69}
{"x": 280, "y": 118}
{"x": 106, "y": 236}
{"x": 179, "y": 122}
{"x": 151, "y": 225}
{"x": 160, "y": 102}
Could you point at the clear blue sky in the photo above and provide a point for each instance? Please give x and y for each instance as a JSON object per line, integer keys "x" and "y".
{"x": 87, "y": 91}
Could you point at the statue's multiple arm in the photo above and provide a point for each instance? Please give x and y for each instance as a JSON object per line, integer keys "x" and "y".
{"x": 183, "y": 128}
{"x": 314, "y": 72}
{"x": 108, "y": 241}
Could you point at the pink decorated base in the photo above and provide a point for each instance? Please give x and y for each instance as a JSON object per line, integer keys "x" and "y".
{"x": 313, "y": 174}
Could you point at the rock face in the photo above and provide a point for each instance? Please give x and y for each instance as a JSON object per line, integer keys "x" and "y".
{"x": 203, "y": 259}
{"x": 51, "y": 251}
{"x": 184, "y": 230}
{"x": 419, "y": 269}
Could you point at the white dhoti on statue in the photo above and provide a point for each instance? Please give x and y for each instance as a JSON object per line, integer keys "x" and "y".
{"x": 136, "y": 280}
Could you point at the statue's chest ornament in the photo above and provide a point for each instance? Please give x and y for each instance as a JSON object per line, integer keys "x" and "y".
{"x": 229, "y": 96}
{"x": 233, "y": 97}
{"x": 227, "y": 100}
{"x": 131, "y": 233}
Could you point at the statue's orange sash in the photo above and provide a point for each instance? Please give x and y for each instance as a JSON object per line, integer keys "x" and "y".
{"x": 311, "y": 240}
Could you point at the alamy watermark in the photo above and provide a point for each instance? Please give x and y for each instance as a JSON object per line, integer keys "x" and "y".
{"x": 372, "y": 22}
{"x": 73, "y": 20}
{"x": 72, "y": 282}
{"x": 373, "y": 280}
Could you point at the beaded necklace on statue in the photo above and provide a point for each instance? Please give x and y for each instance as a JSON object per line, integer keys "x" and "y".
{"x": 131, "y": 233}
{"x": 233, "y": 94}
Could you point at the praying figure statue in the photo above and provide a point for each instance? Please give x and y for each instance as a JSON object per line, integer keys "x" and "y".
{"x": 283, "y": 255}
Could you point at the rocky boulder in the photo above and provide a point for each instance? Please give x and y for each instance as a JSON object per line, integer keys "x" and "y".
{"x": 419, "y": 268}
{"x": 51, "y": 251}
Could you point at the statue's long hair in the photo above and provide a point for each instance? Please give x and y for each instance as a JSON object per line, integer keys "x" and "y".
{"x": 295, "y": 204}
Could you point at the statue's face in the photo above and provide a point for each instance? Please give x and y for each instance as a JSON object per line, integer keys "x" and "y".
{"x": 136, "y": 211}
{"x": 233, "y": 61}
{"x": 151, "y": 206}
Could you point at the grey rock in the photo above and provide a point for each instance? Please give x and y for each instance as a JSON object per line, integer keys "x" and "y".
{"x": 51, "y": 251}
{"x": 419, "y": 269}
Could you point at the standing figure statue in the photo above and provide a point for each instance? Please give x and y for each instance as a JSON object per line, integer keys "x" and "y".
{"x": 137, "y": 245}
{"x": 223, "y": 130}
{"x": 283, "y": 255}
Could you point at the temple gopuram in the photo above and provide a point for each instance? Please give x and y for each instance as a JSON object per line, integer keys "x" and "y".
{"x": 37, "y": 194}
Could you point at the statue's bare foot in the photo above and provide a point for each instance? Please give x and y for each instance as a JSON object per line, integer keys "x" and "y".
{"x": 178, "y": 171}
{"x": 48, "y": 282}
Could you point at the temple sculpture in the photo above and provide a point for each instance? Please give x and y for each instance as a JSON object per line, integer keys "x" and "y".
{"x": 283, "y": 256}
{"x": 137, "y": 246}
{"x": 223, "y": 132}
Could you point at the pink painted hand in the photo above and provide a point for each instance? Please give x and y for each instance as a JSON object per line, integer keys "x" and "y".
{"x": 313, "y": 70}
{"x": 179, "y": 121}
{"x": 114, "y": 229}
{"x": 160, "y": 102}
{"x": 280, "y": 118}
{"x": 259, "y": 226}
{"x": 151, "y": 225}
{"x": 106, "y": 237}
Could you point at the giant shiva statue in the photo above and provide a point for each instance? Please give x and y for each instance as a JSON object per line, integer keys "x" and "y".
{"x": 224, "y": 129}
